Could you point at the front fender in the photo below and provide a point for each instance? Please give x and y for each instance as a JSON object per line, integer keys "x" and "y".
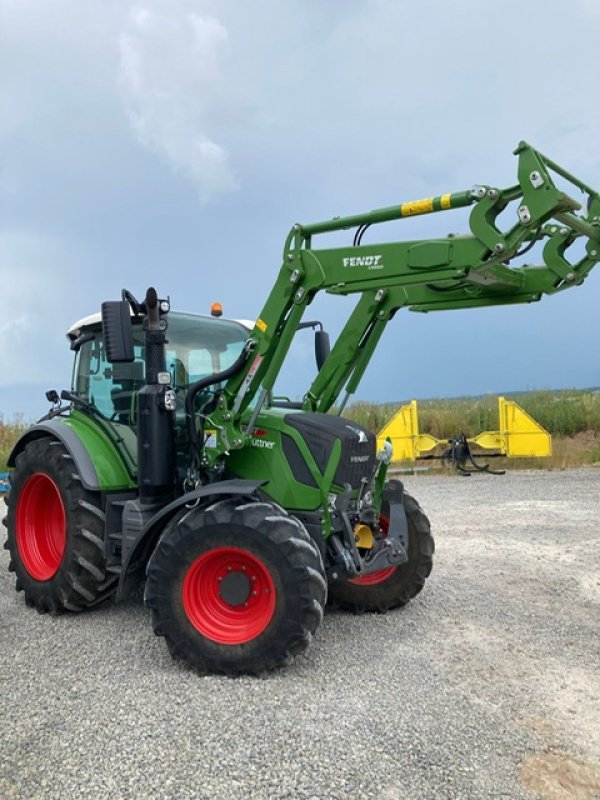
{"x": 136, "y": 559}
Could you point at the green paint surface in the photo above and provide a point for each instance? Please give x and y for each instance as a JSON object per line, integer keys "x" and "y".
{"x": 111, "y": 456}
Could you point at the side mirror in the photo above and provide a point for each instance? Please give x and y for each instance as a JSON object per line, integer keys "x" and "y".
{"x": 322, "y": 347}
{"x": 117, "y": 331}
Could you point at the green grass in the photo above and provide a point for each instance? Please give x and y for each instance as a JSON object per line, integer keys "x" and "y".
{"x": 9, "y": 433}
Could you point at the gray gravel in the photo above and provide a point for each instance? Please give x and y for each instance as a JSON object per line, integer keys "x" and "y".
{"x": 486, "y": 686}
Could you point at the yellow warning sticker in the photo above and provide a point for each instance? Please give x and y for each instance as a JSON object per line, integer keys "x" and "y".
{"x": 445, "y": 201}
{"x": 262, "y": 326}
{"x": 416, "y": 207}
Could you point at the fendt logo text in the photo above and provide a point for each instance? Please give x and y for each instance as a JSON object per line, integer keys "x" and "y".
{"x": 371, "y": 262}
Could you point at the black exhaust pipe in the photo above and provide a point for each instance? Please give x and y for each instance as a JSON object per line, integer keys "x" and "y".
{"x": 156, "y": 438}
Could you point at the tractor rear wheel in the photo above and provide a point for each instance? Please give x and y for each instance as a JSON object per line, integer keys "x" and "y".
{"x": 55, "y": 532}
{"x": 392, "y": 587}
{"x": 237, "y": 587}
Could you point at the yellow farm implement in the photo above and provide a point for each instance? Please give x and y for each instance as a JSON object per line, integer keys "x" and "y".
{"x": 518, "y": 436}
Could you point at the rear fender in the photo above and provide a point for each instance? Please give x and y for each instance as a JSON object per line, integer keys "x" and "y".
{"x": 75, "y": 447}
{"x": 99, "y": 465}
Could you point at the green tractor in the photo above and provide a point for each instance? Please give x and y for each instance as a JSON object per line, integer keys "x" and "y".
{"x": 173, "y": 460}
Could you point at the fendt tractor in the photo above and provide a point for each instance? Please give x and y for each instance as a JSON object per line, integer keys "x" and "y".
{"x": 172, "y": 458}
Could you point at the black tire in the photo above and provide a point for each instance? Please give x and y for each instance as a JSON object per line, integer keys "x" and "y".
{"x": 405, "y": 582}
{"x": 80, "y": 579}
{"x": 287, "y": 560}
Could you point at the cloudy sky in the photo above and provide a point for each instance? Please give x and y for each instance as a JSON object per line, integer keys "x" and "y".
{"x": 174, "y": 142}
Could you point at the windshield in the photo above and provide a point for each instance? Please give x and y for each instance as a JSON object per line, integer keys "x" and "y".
{"x": 196, "y": 347}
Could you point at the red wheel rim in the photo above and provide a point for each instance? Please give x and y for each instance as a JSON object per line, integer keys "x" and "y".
{"x": 223, "y": 620}
{"x": 41, "y": 526}
{"x": 373, "y": 578}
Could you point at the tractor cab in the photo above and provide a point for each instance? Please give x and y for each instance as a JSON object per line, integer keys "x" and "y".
{"x": 197, "y": 346}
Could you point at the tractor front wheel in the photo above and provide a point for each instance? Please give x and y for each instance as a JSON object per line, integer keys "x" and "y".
{"x": 55, "y": 532}
{"x": 392, "y": 587}
{"x": 238, "y": 587}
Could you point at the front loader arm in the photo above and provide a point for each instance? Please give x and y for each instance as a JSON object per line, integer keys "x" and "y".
{"x": 458, "y": 271}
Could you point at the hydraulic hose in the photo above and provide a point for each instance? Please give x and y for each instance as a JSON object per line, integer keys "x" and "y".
{"x": 204, "y": 383}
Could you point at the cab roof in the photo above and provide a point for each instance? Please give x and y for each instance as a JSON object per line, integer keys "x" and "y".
{"x": 93, "y": 320}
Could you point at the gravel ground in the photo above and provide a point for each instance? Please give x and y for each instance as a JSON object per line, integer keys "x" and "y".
{"x": 486, "y": 686}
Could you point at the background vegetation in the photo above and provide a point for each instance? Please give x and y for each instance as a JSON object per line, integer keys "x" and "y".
{"x": 9, "y": 433}
{"x": 571, "y": 416}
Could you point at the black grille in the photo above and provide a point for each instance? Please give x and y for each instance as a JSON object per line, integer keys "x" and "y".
{"x": 321, "y": 431}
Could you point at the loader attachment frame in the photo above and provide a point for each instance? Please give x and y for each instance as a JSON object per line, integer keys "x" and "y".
{"x": 518, "y": 436}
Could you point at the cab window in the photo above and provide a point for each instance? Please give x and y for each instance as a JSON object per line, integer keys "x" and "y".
{"x": 196, "y": 347}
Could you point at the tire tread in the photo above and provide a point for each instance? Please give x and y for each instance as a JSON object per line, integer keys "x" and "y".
{"x": 292, "y": 542}
{"x": 82, "y": 580}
